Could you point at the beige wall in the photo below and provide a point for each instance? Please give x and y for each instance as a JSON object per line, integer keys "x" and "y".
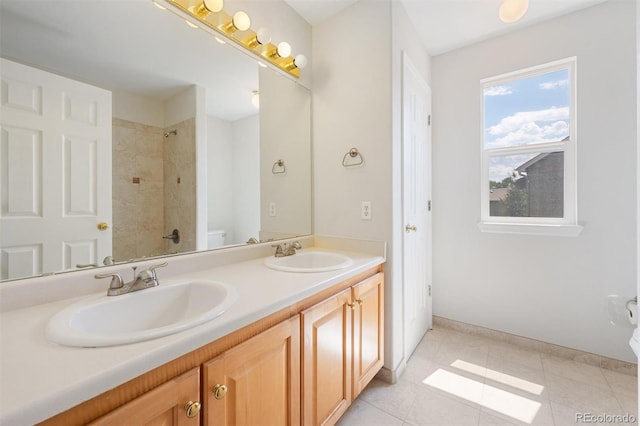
{"x": 552, "y": 289}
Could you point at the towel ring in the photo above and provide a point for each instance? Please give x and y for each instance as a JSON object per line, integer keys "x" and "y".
{"x": 278, "y": 168}
{"x": 353, "y": 153}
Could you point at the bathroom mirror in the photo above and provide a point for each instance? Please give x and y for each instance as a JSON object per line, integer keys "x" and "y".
{"x": 189, "y": 149}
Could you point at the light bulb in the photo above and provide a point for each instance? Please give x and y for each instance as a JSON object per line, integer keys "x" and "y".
{"x": 241, "y": 21}
{"x": 512, "y": 10}
{"x": 300, "y": 61}
{"x": 284, "y": 49}
{"x": 213, "y": 5}
{"x": 263, "y": 36}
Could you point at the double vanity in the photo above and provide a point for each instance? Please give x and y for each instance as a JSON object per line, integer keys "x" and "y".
{"x": 225, "y": 337}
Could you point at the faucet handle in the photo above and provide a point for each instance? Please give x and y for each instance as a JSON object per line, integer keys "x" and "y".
{"x": 280, "y": 248}
{"x": 150, "y": 272}
{"x": 116, "y": 280}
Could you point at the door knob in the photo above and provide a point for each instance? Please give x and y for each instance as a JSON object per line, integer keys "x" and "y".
{"x": 410, "y": 228}
{"x": 103, "y": 226}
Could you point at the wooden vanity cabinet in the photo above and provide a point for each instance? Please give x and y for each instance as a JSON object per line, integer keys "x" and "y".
{"x": 173, "y": 403}
{"x": 303, "y": 364}
{"x": 368, "y": 331}
{"x": 342, "y": 349}
{"x": 326, "y": 360}
{"x": 256, "y": 382}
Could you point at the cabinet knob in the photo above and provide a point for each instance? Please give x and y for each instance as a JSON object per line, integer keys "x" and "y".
{"x": 219, "y": 391}
{"x": 192, "y": 408}
{"x": 359, "y": 302}
{"x": 351, "y": 305}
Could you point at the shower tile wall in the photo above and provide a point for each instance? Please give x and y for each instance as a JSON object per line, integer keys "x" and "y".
{"x": 138, "y": 213}
{"x": 180, "y": 185}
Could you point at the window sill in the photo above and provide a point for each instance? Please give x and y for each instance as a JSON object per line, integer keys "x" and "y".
{"x": 530, "y": 229}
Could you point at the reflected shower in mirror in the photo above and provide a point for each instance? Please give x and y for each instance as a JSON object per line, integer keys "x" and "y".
{"x": 156, "y": 133}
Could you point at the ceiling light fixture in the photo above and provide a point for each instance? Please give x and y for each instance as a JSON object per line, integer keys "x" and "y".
{"x": 284, "y": 49}
{"x": 512, "y": 10}
{"x": 209, "y": 6}
{"x": 237, "y": 29}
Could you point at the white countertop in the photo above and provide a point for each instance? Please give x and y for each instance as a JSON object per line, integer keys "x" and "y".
{"x": 39, "y": 379}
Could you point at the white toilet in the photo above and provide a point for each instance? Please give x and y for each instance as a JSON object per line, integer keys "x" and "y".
{"x": 215, "y": 238}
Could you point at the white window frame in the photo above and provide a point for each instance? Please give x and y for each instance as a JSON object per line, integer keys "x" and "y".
{"x": 565, "y": 226}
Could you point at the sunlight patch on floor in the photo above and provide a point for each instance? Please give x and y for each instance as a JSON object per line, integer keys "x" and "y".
{"x": 498, "y": 400}
{"x": 499, "y": 377}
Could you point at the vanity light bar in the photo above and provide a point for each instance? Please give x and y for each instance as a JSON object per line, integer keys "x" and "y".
{"x": 227, "y": 26}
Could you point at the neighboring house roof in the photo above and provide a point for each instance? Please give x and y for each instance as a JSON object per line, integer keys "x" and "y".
{"x": 524, "y": 166}
{"x": 498, "y": 194}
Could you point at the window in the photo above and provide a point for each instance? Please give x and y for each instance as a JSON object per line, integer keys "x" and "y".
{"x": 529, "y": 151}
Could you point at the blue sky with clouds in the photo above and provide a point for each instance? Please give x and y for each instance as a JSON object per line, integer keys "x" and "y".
{"x": 525, "y": 111}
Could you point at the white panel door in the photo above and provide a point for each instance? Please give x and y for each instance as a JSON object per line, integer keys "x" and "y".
{"x": 55, "y": 172}
{"x": 416, "y": 195}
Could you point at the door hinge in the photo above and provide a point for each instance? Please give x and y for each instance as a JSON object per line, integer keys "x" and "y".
{"x": 429, "y": 205}
{"x": 429, "y": 120}
{"x": 429, "y": 289}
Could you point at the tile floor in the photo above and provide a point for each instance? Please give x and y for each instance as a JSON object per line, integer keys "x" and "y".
{"x": 460, "y": 379}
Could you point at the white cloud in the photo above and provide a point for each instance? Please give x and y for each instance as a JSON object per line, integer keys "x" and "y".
{"x": 550, "y": 85}
{"x": 498, "y": 91}
{"x": 530, "y": 126}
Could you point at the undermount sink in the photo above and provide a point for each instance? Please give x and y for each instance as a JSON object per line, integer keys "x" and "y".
{"x": 309, "y": 261}
{"x": 143, "y": 315}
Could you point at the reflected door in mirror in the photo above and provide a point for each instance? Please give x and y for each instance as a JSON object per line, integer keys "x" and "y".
{"x": 55, "y": 172}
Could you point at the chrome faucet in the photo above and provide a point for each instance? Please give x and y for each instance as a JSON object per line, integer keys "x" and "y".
{"x": 144, "y": 279}
{"x": 285, "y": 249}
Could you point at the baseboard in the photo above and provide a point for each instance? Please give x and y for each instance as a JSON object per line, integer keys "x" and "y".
{"x": 612, "y": 364}
{"x": 391, "y": 376}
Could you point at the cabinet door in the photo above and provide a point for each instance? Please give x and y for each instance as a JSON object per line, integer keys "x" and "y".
{"x": 165, "y": 405}
{"x": 368, "y": 331}
{"x": 326, "y": 358}
{"x": 256, "y": 382}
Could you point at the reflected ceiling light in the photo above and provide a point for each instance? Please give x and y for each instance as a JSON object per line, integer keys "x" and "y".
{"x": 159, "y": 6}
{"x": 191, "y": 24}
{"x": 219, "y": 40}
{"x": 262, "y": 64}
{"x": 512, "y": 10}
{"x": 255, "y": 99}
